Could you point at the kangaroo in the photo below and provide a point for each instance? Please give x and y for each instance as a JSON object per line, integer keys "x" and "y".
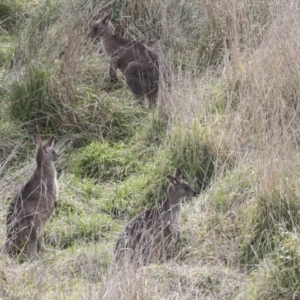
{"x": 145, "y": 237}
{"x": 33, "y": 206}
{"x": 138, "y": 63}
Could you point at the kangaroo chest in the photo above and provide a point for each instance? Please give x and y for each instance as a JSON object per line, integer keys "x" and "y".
{"x": 173, "y": 214}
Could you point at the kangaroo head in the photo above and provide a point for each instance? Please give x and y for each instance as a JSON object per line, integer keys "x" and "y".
{"x": 44, "y": 151}
{"x": 179, "y": 187}
{"x": 103, "y": 27}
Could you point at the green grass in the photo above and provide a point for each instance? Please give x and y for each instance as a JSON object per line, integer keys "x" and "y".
{"x": 278, "y": 276}
{"x": 10, "y": 11}
{"x": 268, "y": 217}
{"x": 103, "y": 162}
{"x": 33, "y": 102}
{"x": 229, "y": 120}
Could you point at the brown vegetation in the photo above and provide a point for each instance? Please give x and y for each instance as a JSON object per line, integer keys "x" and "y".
{"x": 231, "y": 120}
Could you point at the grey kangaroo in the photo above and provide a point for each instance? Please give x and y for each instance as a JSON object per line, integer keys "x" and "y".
{"x": 33, "y": 206}
{"x": 138, "y": 63}
{"x": 146, "y": 236}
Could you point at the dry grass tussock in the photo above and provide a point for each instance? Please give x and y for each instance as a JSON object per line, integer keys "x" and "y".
{"x": 230, "y": 120}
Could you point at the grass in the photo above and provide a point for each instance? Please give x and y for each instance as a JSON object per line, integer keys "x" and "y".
{"x": 105, "y": 162}
{"x": 229, "y": 120}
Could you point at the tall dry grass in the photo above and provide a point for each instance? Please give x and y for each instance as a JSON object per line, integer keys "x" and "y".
{"x": 230, "y": 117}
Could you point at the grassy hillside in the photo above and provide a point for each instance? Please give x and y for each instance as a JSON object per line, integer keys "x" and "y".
{"x": 230, "y": 120}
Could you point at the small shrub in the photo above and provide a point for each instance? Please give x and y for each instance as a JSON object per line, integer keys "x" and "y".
{"x": 33, "y": 101}
{"x": 67, "y": 229}
{"x": 121, "y": 119}
{"x": 126, "y": 198}
{"x": 195, "y": 153}
{"x": 263, "y": 220}
{"x": 104, "y": 162}
{"x": 277, "y": 277}
{"x": 141, "y": 190}
{"x": 285, "y": 272}
{"x": 229, "y": 195}
{"x": 78, "y": 215}
{"x": 10, "y": 11}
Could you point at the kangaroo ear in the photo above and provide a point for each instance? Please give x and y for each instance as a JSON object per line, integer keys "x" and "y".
{"x": 49, "y": 142}
{"x": 105, "y": 17}
{"x": 172, "y": 179}
{"x": 37, "y": 140}
{"x": 177, "y": 173}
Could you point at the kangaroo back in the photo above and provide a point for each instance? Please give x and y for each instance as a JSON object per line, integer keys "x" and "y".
{"x": 33, "y": 206}
{"x": 146, "y": 236}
